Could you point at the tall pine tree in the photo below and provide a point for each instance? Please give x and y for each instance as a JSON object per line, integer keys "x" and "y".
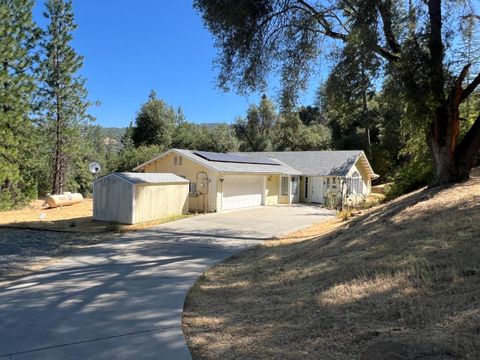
{"x": 18, "y": 36}
{"x": 65, "y": 104}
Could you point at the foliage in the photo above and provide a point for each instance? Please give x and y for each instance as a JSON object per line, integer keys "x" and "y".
{"x": 64, "y": 104}
{"x": 17, "y": 54}
{"x": 155, "y": 123}
{"x": 130, "y": 157}
{"x": 294, "y": 135}
{"x": 217, "y": 138}
{"x": 368, "y": 39}
{"x": 257, "y": 131}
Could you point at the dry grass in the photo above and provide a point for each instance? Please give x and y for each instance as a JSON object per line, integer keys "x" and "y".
{"x": 74, "y": 218}
{"x": 406, "y": 272}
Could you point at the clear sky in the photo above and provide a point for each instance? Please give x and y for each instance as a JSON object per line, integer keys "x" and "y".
{"x": 131, "y": 47}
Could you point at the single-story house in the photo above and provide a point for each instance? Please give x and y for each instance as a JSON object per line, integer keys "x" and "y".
{"x": 225, "y": 181}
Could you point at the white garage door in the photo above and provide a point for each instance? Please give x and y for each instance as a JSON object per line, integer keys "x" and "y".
{"x": 241, "y": 191}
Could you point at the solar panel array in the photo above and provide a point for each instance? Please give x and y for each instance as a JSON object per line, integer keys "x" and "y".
{"x": 231, "y": 158}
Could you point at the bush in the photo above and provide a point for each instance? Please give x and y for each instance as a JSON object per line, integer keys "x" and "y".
{"x": 411, "y": 176}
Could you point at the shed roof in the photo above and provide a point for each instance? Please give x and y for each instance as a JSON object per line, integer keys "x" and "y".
{"x": 317, "y": 163}
{"x": 148, "y": 178}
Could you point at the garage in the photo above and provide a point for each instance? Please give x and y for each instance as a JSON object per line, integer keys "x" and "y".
{"x": 241, "y": 191}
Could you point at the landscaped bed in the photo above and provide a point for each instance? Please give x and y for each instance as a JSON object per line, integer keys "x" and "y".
{"x": 402, "y": 280}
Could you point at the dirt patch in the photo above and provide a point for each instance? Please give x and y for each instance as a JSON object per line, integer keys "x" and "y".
{"x": 405, "y": 273}
{"x": 25, "y": 251}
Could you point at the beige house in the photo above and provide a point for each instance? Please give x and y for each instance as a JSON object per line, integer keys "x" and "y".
{"x": 220, "y": 182}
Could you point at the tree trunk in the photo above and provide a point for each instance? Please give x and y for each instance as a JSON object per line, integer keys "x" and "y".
{"x": 452, "y": 162}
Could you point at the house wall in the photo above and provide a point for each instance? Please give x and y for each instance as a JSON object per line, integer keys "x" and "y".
{"x": 272, "y": 190}
{"x": 113, "y": 200}
{"x": 153, "y": 202}
{"x": 363, "y": 173}
{"x": 200, "y": 200}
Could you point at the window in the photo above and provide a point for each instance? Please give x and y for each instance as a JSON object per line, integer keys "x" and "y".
{"x": 180, "y": 161}
{"x": 192, "y": 187}
{"x": 175, "y": 161}
{"x": 328, "y": 181}
{"x": 355, "y": 184}
{"x": 284, "y": 188}
{"x": 306, "y": 187}
{"x": 333, "y": 180}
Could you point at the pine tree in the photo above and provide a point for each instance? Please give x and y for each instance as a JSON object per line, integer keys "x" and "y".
{"x": 18, "y": 36}
{"x": 65, "y": 104}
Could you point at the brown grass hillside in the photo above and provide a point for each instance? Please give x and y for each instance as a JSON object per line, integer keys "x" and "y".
{"x": 401, "y": 282}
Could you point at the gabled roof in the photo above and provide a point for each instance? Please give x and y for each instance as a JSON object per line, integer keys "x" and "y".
{"x": 229, "y": 167}
{"x": 147, "y": 178}
{"x": 319, "y": 163}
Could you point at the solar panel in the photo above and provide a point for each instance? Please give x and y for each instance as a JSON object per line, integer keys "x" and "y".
{"x": 231, "y": 158}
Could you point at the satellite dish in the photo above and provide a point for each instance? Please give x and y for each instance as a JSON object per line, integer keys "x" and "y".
{"x": 95, "y": 168}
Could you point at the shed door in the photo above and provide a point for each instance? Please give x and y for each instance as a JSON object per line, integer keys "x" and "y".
{"x": 241, "y": 191}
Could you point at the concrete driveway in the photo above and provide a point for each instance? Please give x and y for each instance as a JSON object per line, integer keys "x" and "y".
{"x": 123, "y": 299}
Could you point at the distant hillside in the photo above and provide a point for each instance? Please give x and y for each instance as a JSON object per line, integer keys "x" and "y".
{"x": 113, "y": 136}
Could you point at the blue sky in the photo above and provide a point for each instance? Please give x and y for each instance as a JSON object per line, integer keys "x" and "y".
{"x": 132, "y": 47}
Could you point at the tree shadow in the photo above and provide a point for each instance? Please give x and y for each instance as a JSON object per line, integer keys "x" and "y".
{"x": 406, "y": 272}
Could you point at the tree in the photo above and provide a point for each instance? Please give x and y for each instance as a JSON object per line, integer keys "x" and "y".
{"x": 311, "y": 115}
{"x": 293, "y": 135}
{"x": 256, "y": 132}
{"x": 19, "y": 37}
{"x": 256, "y": 36}
{"x": 155, "y": 123}
{"x": 64, "y": 103}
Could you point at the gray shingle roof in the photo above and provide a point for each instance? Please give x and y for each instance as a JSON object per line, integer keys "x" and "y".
{"x": 150, "y": 178}
{"x": 226, "y": 167}
{"x": 314, "y": 163}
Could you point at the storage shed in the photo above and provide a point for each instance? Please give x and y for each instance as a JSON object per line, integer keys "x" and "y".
{"x": 132, "y": 198}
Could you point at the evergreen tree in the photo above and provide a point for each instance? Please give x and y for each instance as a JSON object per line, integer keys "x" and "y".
{"x": 155, "y": 123}
{"x": 257, "y": 131}
{"x": 63, "y": 93}
{"x": 18, "y": 36}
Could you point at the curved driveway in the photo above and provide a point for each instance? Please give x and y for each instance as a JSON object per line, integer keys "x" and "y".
{"x": 123, "y": 299}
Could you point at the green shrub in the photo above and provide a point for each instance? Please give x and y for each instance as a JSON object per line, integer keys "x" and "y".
{"x": 411, "y": 176}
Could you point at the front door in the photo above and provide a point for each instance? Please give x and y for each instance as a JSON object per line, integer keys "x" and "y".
{"x": 294, "y": 190}
{"x": 316, "y": 189}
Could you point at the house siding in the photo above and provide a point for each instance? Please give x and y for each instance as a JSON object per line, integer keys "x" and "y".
{"x": 189, "y": 170}
{"x": 272, "y": 190}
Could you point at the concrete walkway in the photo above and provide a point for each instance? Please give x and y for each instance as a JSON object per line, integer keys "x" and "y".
{"x": 123, "y": 299}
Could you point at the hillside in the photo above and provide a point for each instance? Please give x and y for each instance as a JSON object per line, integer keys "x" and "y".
{"x": 400, "y": 282}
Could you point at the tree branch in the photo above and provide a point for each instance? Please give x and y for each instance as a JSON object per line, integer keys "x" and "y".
{"x": 457, "y": 91}
{"x": 470, "y": 88}
{"x": 328, "y": 31}
{"x": 386, "y": 15}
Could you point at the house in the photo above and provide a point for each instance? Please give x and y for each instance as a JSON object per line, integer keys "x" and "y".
{"x": 220, "y": 181}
